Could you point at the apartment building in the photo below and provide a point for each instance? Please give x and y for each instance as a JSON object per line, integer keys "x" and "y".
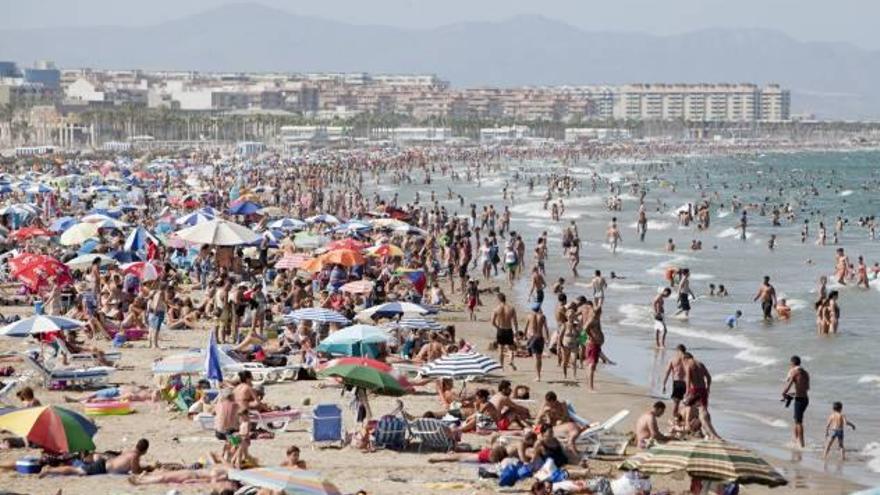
{"x": 702, "y": 102}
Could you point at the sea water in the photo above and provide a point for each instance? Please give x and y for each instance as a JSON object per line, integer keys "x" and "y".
{"x": 749, "y": 362}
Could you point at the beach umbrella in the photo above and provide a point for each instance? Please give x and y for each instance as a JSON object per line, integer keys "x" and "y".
{"x": 23, "y": 209}
{"x": 390, "y": 310}
{"x": 53, "y": 428}
{"x": 389, "y": 223}
{"x": 286, "y": 480}
{"x": 218, "y": 232}
{"x": 291, "y": 261}
{"x": 36, "y": 270}
{"x": 409, "y": 230}
{"x": 352, "y": 226}
{"x": 347, "y": 243}
{"x": 26, "y": 233}
{"x": 308, "y": 240}
{"x": 344, "y": 257}
{"x": 358, "y": 287}
{"x": 194, "y": 218}
{"x": 323, "y": 218}
{"x": 213, "y": 368}
{"x": 83, "y": 262}
{"x": 97, "y": 218}
{"x": 367, "y": 377}
{"x": 385, "y": 250}
{"x": 354, "y": 340}
{"x": 40, "y": 324}
{"x": 244, "y": 208}
{"x": 357, "y": 361}
{"x": 143, "y": 270}
{"x": 416, "y": 277}
{"x": 320, "y": 315}
{"x": 61, "y": 224}
{"x": 419, "y": 323}
{"x": 191, "y": 363}
{"x": 79, "y": 233}
{"x": 288, "y": 224}
{"x": 313, "y": 265}
{"x": 137, "y": 239}
{"x": 38, "y": 189}
{"x": 460, "y": 365}
{"x": 709, "y": 460}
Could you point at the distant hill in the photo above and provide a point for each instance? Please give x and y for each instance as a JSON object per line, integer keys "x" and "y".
{"x": 833, "y": 80}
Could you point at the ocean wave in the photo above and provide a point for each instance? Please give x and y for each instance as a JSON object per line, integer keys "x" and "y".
{"x": 642, "y": 316}
{"x": 764, "y": 420}
{"x": 875, "y": 379}
{"x": 732, "y": 232}
{"x": 847, "y": 192}
{"x": 871, "y": 451}
{"x": 634, "y": 251}
{"x": 722, "y": 214}
{"x": 654, "y": 225}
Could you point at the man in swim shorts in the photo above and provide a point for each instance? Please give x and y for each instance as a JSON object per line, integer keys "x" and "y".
{"x": 504, "y": 321}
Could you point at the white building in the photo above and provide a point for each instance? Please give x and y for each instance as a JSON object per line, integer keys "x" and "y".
{"x": 505, "y": 134}
{"x": 420, "y": 134}
{"x": 83, "y": 90}
{"x": 702, "y": 102}
{"x": 580, "y": 135}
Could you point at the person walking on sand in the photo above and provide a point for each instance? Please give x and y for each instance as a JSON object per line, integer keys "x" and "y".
{"x": 799, "y": 380}
{"x": 767, "y": 295}
{"x": 537, "y": 334}
{"x": 593, "y": 328}
{"x": 504, "y": 321}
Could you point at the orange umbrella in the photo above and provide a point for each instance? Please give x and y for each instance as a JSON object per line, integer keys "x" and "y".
{"x": 385, "y": 250}
{"x": 313, "y": 265}
{"x": 344, "y": 257}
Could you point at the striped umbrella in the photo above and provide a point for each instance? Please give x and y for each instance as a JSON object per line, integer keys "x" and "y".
{"x": 286, "y": 480}
{"x": 53, "y": 428}
{"x": 390, "y": 310}
{"x": 137, "y": 239}
{"x": 708, "y": 460}
{"x": 320, "y": 315}
{"x": 358, "y": 287}
{"x": 460, "y": 365}
{"x": 194, "y": 218}
{"x": 291, "y": 261}
{"x": 420, "y": 323}
{"x": 39, "y": 324}
{"x": 288, "y": 224}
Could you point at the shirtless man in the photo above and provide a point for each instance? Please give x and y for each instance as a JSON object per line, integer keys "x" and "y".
{"x": 675, "y": 369}
{"x": 647, "y": 429}
{"x": 244, "y": 394}
{"x": 660, "y": 317}
{"x": 642, "y": 223}
{"x": 598, "y": 285}
{"x": 685, "y": 294}
{"x": 555, "y": 413}
{"x": 799, "y": 380}
{"x": 507, "y": 408}
{"x": 430, "y": 351}
{"x": 767, "y": 295}
{"x": 537, "y": 335}
{"x": 505, "y": 323}
{"x": 128, "y": 462}
{"x": 538, "y": 285}
{"x": 698, "y": 382}
{"x": 841, "y": 266}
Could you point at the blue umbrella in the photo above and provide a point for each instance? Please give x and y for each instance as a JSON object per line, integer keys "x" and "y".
{"x": 288, "y": 224}
{"x": 194, "y": 218}
{"x": 320, "y": 315}
{"x": 62, "y": 224}
{"x": 213, "y": 370}
{"x": 137, "y": 239}
{"x": 355, "y": 340}
{"x": 244, "y": 208}
{"x": 104, "y": 211}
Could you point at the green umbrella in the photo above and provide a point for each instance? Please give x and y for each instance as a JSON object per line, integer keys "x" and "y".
{"x": 365, "y": 377}
{"x": 708, "y": 460}
{"x": 53, "y": 428}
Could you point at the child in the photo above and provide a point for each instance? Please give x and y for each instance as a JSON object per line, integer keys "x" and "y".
{"x": 239, "y": 442}
{"x": 733, "y": 319}
{"x": 836, "y": 423}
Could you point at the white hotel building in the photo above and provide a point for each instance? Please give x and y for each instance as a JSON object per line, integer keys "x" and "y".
{"x": 702, "y": 102}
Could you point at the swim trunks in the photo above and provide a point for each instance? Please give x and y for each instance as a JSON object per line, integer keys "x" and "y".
{"x": 593, "y": 353}
{"x": 697, "y": 395}
{"x": 767, "y": 307}
{"x": 838, "y": 434}
{"x": 504, "y": 336}
{"x": 800, "y": 407}
{"x": 536, "y": 345}
{"x": 678, "y": 389}
{"x": 107, "y": 393}
{"x": 98, "y": 466}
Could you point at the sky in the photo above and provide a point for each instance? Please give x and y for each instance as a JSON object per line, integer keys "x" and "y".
{"x": 851, "y": 21}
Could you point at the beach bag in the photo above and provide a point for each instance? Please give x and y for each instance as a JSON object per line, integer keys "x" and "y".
{"x": 509, "y": 474}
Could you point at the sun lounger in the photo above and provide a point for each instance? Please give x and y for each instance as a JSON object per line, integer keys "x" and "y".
{"x": 84, "y": 357}
{"x": 275, "y": 420}
{"x": 432, "y": 434}
{"x": 71, "y": 376}
{"x": 390, "y": 433}
{"x": 8, "y": 387}
{"x": 602, "y": 439}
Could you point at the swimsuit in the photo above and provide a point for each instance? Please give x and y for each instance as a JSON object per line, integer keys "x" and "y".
{"x": 800, "y": 407}
{"x": 504, "y": 336}
{"x": 697, "y": 395}
{"x": 678, "y": 389}
{"x": 593, "y": 352}
{"x": 98, "y": 466}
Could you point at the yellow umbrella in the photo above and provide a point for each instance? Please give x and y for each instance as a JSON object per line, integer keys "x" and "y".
{"x": 79, "y": 233}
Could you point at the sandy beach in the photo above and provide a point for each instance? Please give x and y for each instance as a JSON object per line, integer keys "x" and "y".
{"x": 174, "y": 438}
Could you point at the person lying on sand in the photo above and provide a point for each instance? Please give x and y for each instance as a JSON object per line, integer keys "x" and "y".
{"x": 124, "y": 463}
{"x": 132, "y": 393}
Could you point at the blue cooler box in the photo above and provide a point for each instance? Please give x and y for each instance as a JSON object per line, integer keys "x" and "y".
{"x": 28, "y": 465}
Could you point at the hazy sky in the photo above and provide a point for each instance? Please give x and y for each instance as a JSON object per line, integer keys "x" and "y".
{"x": 851, "y": 21}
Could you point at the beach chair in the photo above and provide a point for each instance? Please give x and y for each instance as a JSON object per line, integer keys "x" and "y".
{"x": 8, "y": 387}
{"x": 326, "y": 424}
{"x": 602, "y": 439}
{"x": 93, "y": 376}
{"x": 390, "y": 433}
{"x": 84, "y": 357}
{"x": 432, "y": 434}
{"x": 275, "y": 420}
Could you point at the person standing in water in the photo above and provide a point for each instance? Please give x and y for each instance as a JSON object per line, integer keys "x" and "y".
{"x": 799, "y": 380}
{"x": 767, "y": 295}
{"x": 660, "y": 317}
{"x": 642, "y": 223}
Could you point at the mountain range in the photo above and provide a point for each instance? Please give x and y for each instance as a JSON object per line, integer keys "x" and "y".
{"x": 830, "y": 80}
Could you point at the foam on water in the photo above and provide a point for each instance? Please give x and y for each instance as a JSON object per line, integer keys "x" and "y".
{"x": 534, "y": 209}
{"x": 722, "y": 214}
{"x": 797, "y": 304}
{"x": 641, "y": 316}
{"x": 634, "y": 251}
{"x": 848, "y": 192}
{"x": 875, "y": 379}
{"x": 732, "y": 232}
{"x": 871, "y": 452}
{"x": 773, "y": 423}
{"x": 653, "y": 225}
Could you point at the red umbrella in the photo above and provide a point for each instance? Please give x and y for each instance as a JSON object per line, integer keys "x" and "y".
{"x": 35, "y": 270}
{"x": 28, "y": 232}
{"x": 358, "y": 361}
{"x": 347, "y": 243}
{"x": 143, "y": 270}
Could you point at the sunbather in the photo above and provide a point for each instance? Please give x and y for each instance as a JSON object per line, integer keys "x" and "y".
{"x": 125, "y": 463}
{"x": 131, "y": 393}
{"x": 555, "y": 413}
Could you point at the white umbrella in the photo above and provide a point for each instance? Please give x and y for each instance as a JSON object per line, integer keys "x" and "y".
{"x": 79, "y": 233}
{"x": 85, "y": 261}
{"x": 218, "y": 232}
{"x": 39, "y": 324}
